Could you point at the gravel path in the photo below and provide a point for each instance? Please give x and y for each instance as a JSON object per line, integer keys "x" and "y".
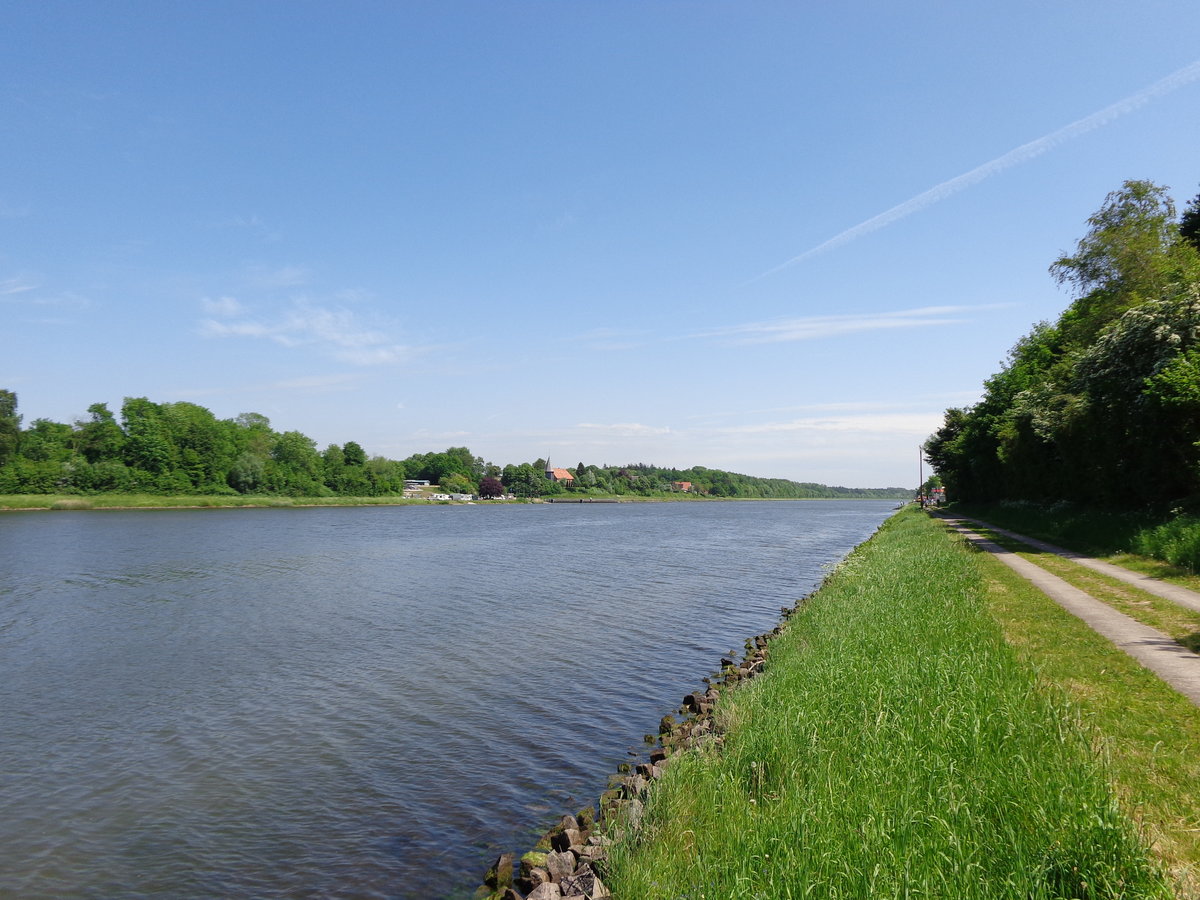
{"x": 1173, "y": 663}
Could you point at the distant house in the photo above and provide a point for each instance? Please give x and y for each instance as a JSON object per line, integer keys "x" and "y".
{"x": 563, "y": 476}
{"x": 685, "y": 486}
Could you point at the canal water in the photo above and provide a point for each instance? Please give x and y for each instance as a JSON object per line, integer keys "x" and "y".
{"x": 356, "y": 702}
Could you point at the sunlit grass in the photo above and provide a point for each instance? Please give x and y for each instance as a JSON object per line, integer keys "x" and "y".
{"x": 896, "y": 748}
{"x": 1178, "y": 622}
{"x": 1149, "y": 732}
{"x": 1166, "y": 546}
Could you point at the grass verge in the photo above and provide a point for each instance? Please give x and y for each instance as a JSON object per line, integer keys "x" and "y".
{"x": 898, "y": 747}
{"x": 1164, "y": 545}
{"x": 1178, "y": 622}
{"x": 1148, "y": 732}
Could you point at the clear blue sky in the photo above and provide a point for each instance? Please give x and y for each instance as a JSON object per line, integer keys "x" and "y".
{"x": 609, "y": 231}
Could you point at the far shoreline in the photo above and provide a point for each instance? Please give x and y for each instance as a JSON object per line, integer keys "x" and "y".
{"x": 101, "y": 502}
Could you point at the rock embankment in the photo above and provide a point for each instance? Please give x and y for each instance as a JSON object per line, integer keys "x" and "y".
{"x": 568, "y": 862}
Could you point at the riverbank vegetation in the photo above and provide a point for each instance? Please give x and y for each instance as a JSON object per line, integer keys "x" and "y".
{"x": 1102, "y": 406}
{"x": 181, "y": 449}
{"x": 929, "y": 727}
{"x": 1090, "y": 433}
{"x": 1132, "y": 538}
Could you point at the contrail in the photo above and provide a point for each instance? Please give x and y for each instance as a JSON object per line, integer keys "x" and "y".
{"x": 1014, "y": 157}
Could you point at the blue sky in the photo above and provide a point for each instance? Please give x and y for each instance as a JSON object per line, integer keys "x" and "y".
{"x": 775, "y": 238}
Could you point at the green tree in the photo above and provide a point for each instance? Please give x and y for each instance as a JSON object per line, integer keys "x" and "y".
{"x": 295, "y": 467}
{"x": 1189, "y": 223}
{"x": 1100, "y": 406}
{"x": 47, "y": 441}
{"x": 457, "y": 484}
{"x": 100, "y": 437}
{"x": 10, "y": 426}
{"x": 1131, "y": 253}
{"x": 525, "y": 480}
{"x": 386, "y": 476}
{"x": 248, "y": 473}
{"x": 354, "y": 454}
{"x": 148, "y": 446}
{"x": 345, "y": 477}
{"x": 205, "y": 448}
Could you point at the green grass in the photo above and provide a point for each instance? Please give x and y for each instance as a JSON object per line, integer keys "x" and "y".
{"x": 1149, "y": 733}
{"x": 1179, "y": 622}
{"x": 156, "y": 501}
{"x": 897, "y": 747}
{"x": 1177, "y": 542}
{"x": 1172, "y": 538}
{"x": 1092, "y": 531}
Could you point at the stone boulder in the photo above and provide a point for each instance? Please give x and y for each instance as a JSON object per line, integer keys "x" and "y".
{"x": 560, "y": 865}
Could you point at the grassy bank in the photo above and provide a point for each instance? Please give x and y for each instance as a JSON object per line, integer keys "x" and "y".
{"x": 223, "y": 501}
{"x": 1148, "y": 732}
{"x": 898, "y": 747}
{"x": 1172, "y": 537}
{"x": 1174, "y": 620}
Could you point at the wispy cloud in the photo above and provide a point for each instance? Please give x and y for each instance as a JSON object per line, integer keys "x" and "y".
{"x": 807, "y": 328}
{"x": 892, "y": 423}
{"x": 279, "y": 277}
{"x": 613, "y": 339}
{"x": 853, "y": 406}
{"x": 222, "y": 306}
{"x": 11, "y": 286}
{"x": 254, "y": 224}
{"x": 624, "y": 429}
{"x": 335, "y": 332}
{"x": 309, "y": 384}
{"x": 1014, "y": 157}
{"x": 24, "y": 291}
{"x": 316, "y": 382}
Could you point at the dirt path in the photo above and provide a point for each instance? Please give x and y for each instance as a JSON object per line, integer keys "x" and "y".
{"x": 1174, "y": 664}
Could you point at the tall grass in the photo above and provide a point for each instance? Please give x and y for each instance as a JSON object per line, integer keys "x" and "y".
{"x": 1172, "y": 537}
{"x": 896, "y": 748}
{"x": 1095, "y": 531}
{"x": 1176, "y": 541}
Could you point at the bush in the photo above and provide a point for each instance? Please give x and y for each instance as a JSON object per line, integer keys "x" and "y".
{"x": 1176, "y": 541}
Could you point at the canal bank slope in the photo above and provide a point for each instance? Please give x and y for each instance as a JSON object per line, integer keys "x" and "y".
{"x": 901, "y": 743}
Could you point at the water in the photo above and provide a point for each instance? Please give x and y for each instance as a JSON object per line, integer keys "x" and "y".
{"x": 359, "y": 703}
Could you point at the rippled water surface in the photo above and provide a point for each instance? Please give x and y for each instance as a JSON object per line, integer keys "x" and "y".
{"x": 367, "y": 702}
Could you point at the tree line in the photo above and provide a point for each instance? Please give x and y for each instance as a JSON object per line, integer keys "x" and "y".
{"x": 182, "y": 448}
{"x": 1102, "y": 406}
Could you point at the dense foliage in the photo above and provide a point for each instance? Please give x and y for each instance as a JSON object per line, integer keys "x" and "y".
{"x": 1103, "y": 406}
{"x": 182, "y": 448}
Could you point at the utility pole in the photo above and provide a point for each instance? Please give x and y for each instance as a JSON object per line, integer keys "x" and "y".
{"x": 921, "y": 475}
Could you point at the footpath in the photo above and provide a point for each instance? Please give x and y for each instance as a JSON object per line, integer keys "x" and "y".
{"x": 1173, "y": 663}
